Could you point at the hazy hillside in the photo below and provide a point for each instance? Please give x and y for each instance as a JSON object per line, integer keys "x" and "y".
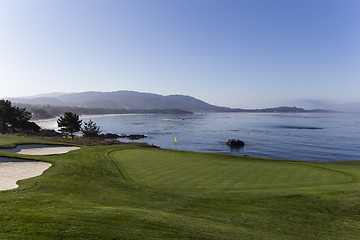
{"x": 39, "y": 101}
{"x": 123, "y": 100}
{"x": 129, "y": 100}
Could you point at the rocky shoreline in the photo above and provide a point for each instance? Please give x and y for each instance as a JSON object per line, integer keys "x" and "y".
{"x": 129, "y": 136}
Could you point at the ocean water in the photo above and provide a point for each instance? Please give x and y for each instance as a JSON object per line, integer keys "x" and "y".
{"x": 295, "y": 136}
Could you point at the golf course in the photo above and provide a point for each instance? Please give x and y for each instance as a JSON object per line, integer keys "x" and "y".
{"x": 122, "y": 191}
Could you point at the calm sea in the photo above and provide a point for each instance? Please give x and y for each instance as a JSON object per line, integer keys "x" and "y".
{"x": 296, "y": 136}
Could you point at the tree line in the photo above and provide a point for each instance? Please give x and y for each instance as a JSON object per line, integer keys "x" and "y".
{"x": 15, "y": 119}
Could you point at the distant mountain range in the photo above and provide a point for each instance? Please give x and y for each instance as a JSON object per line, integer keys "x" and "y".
{"x": 129, "y": 100}
{"x": 119, "y": 100}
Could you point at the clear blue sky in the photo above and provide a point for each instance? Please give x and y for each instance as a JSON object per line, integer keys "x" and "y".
{"x": 253, "y": 53}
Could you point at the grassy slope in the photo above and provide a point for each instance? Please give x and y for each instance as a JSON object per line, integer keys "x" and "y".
{"x": 10, "y": 141}
{"x": 161, "y": 194}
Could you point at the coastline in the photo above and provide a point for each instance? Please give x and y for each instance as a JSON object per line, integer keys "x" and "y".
{"x": 304, "y": 136}
{"x": 43, "y": 121}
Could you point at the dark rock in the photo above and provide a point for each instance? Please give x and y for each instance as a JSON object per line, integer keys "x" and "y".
{"x": 235, "y": 143}
{"x": 109, "y": 135}
{"x": 133, "y": 136}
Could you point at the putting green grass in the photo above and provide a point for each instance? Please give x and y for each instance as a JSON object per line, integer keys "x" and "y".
{"x": 126, "y": 192}
{"x": 199, "y": 173}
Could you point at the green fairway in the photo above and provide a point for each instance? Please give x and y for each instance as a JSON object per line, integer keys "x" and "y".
{"x": 126, "y": 192}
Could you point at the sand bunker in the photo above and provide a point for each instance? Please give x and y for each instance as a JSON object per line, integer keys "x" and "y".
{"x": 38, "y": 149}
{"x": 12, "y": 170}
{"x": 47, "y": 150}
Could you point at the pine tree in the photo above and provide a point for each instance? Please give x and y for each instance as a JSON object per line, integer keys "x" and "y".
{"x": 69, "y": 123}
{"x": 90, "y": 129}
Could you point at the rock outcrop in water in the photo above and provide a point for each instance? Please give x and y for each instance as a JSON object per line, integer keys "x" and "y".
{"x": 133, "y": 136}
{"x": 109, "y": 135}
{"x": 235, "y": 143}
{"x": 129, "y": 136}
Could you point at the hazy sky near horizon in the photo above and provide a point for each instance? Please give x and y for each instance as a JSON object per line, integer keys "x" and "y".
{"x": 243, "y": 53}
